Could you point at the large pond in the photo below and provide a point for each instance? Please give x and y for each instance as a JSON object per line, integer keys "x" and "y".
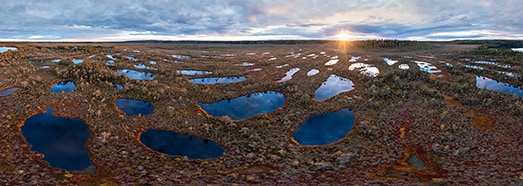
{"x": 218, "y": 80}
{"x": 8, "y": 91}
{"x": 193, "y": 72}
{"x": 61, "y": 140}
{"x": 179, "y": 144}
{"x": 136, "y": 75}
{"x": 64, "y": 86}
{"x": 246, "y": 106}
{"x": 490, "y": 84}
{"x": 325, "y": 128}
{"x": 133, "y": 107}
{"x": 332, "y": 87}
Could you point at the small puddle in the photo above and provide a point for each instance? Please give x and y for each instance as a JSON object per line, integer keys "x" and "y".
{"x": 474, "y": 67}
{"x": 490, "y": 84}
{"x": 143, "y": 66}
{"x": 427, "y": 67}
{"x": 109, "y": 63}
{"x": 193, "y": 72}
{"x": 45, "y": 67}
{"x": 136, "y": 75}
{"x": 218, "y": 80}
{"x": 332, "y": 62}
{"x": 246, "y": 106}
{"x": 492, "y": 63}
{"x": 181, "y": 56}
{"x": 56, "y": 60}
{"x": 110, "y": 56}
{"x": 117, "y": 86}
{"x": 325, "y": 128}
{"x": 152, "y": 62}
{"x": 131, "y": 58}
{"x": 281, "y": 66}
{"x": 77, "y": 61}
{"x": 61, "y": 140}
{"x": 389, "y": 61}
{"x": 244, "y": 64}
{"x": 354, "y": 58}
{"x": 365, "y": 69}
{"x": 133, "y": 107}
{"x": 179, "y": 144}
{"x": 403, "y": 66}
{"x": 332, "y": 87}
{"x": 416, "y": 162}
{"x": 63, "y": 87}
{"x": 288, "y": 75}
{"x": 255, "y": 69}
{"x": 5, "y": 49}
{"x": 313, "y": 72}
{"x": 8, "y": 91}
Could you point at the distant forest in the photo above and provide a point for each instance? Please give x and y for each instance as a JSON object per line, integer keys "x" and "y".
{"x": 492, "y": 43}
{"x": 364, "y": 44}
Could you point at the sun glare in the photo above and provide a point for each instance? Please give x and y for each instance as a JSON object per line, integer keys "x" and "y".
{"x": 343, "y": 36}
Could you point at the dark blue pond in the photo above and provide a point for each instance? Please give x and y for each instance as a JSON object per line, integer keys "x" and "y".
{"x": 217, "y": 80}
{"x": 64, "y": 86}
{"x": 133, "y": 107}
{"x": 332, "y": 87}
{"x": 8, "y": 91}
{"x": 325, "y": 128}
{"x": 178, "y": 144}
{"x": 136, "y": 75}
{"x": 61, "y": 140}
{"x": 246, "y": 106}
{"x": 490, "y": 84}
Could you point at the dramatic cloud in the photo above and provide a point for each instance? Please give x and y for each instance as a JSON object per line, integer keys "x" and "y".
{"x": 259, "y": 19}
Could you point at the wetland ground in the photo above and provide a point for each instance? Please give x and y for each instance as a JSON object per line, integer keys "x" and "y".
{"x": 410, "y": 127}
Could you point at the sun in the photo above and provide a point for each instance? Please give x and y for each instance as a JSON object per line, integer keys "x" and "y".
{"x": 343, "y": 36}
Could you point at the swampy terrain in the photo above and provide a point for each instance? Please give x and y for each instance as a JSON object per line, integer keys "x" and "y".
{"x": 417, "y": 113}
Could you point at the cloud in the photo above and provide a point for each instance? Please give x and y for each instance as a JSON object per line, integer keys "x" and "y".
{"x": 172, "y": 19}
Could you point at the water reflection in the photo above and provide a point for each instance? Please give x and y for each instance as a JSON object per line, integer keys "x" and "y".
{"x": 490, "y": 84}
{"x": 77, "y": 61}
{"x": 8, "y": 91}
{"x": 427, "y": 67}
{"x": 313, "y": 72}
{"x": 332, "y": 87}
{"x": 246, "y": 106}
{"x": 136, "y": 75}
{"x": 5, "y": 49}
{"x": 325, "y": 128}
{"x": 64, "y": 86}
{"x": 218, "y": 80}
{"x": 61, "y": 140}
{"x": 143, "y": 66}
{"x": 365, "y": 69}
{"x": 288, "y": 75}
{"x": 178, "y": 144}
{"x": 133, "y": 107}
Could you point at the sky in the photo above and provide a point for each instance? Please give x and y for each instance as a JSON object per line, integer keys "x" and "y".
{"x": 123, "y": 20}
